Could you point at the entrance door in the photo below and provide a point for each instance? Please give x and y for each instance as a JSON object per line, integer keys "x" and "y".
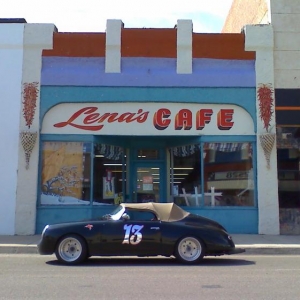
{"x": 148, "y": 182}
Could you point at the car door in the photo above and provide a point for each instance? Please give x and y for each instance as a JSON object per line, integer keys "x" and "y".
{"x": 130, "y": 237}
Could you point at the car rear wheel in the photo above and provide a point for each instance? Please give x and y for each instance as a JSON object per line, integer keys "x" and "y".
{"x": 71, "y": 249}
{"x": 189, "y": 250}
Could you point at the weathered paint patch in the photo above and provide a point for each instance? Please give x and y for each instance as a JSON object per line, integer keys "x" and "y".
{"x": 289, "y": 220}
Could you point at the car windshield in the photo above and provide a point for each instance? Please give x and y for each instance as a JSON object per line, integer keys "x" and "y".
{"x": 116, "y": 214}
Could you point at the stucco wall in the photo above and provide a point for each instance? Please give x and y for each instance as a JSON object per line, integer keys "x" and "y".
{"x": 286, "y": 24}
{"x": 11, "y": 59}
{"x": 36, "y": 38}
{"x": 285, "y": 17}
{"x": 261, "y": 39}
{"x": 21, "y": 47}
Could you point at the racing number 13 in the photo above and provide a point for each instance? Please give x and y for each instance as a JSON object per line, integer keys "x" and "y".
{"x": 136, "y": 235}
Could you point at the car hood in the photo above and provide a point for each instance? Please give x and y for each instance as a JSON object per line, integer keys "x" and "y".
{"x": 74, "y": 224}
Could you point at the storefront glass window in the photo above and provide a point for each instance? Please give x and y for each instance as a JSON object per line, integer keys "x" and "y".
{"x": 109, "y": 174}
{"x": 227, "y": 173}
{"x": 288, "y": 161}
{"x": 65, "y": 173}
{"x": 185, "y": 174}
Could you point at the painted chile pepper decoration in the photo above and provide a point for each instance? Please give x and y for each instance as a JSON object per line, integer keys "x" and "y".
{"x": 30, "y": 94}
{"x": 266, "y": 103}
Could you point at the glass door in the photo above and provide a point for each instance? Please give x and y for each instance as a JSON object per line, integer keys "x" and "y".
{"x": 148, "y": 183}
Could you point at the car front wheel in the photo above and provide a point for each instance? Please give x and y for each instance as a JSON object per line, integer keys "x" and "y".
{"x": 71, "y": 249}
{"x": 189, "y": 250}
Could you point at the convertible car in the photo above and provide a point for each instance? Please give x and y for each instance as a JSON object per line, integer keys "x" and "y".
{"x": 138, "y": 229}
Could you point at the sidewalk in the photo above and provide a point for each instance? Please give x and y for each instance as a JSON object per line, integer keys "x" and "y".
{"x": 253, "y": 243}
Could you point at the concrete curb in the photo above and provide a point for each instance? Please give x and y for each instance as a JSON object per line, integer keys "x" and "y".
{"x": 18, "y": 249}
{"x": 273, "y": 251}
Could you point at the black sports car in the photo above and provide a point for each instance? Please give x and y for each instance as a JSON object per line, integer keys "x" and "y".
{"x": 144, "y": 229}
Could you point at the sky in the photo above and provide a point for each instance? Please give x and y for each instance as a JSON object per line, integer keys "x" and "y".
{"x": 208, "y": 16}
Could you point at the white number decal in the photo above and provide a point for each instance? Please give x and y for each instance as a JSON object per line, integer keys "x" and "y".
{"x": 136, "y": 235}
{"x": 127, "y": 229}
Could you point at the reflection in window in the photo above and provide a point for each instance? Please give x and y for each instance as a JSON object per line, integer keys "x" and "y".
{"x": 185, "y": 174}
{"x": 288, "y": 160}
{"x": 109, "y": 174}
{"x": 65, "y": 173}
{"x": 227, "y": 175}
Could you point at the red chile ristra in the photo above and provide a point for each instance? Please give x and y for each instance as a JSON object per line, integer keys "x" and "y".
{"x": 30, "y": 94}
{"x": 266, "y": 103}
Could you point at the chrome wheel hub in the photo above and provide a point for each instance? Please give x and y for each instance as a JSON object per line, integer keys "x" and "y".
{"x": 70, "y": 249}
{"x": 189, "y": 249}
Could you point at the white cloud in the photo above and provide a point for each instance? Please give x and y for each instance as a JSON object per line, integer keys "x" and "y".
{"x": 91, "y": 15}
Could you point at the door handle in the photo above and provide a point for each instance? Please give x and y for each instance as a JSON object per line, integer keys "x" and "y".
{"x": 155, "y": 228}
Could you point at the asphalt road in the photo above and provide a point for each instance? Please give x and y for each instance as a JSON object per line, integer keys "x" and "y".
{"x": 240, "y": 277}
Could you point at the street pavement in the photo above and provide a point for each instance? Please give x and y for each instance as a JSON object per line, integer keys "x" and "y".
{"x": 253, "y": 243}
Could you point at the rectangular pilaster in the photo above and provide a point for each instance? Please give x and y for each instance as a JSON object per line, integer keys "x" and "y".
{"x": 113, "y": 46}
{"x": 184, "y": 47}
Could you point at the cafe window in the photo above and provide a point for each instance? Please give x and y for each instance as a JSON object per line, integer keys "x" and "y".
{"x": 221, "y": 176}
{"x": 66, "y": 174}
{"x": 185, "y": 174}
{"x": 65, "y": 177}
{"x": 228, "y": 174}
{"x": 109, "y": 174}
{"x": 288, "y": 164}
